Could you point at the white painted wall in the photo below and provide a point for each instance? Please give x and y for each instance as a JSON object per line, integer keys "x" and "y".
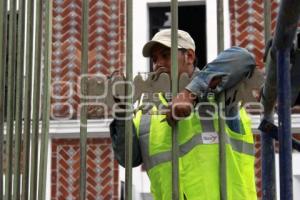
{"x": 140, "y": 182}
{"x": 296, "y": 175}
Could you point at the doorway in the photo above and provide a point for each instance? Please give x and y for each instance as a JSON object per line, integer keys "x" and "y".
{"x": 191, "y": 18}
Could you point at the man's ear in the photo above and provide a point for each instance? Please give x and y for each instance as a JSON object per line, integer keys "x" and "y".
{"x": 190, "y": 56}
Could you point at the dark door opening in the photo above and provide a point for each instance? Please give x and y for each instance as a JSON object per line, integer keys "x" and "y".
{"x": 190, "y": 18}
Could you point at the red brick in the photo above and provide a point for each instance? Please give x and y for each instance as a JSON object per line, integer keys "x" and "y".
{"x": 53, "y": 190}
{"x": 106, "y": 180}
{"x": 93, "y": 26}
{"x": 106, "y": 171}
{"x": 259, "y": 29}
{"x": 111, "y": 177}
{"x": 257, "y": 52}
{"x": 105, "y": 162}
{"x": 91, "y": 170}
{"x": 106, "y": 190}
{"x": 64, "y": 154}
{"x": 258, "y": 7}
{"x": 91, "y": 181}
{"x": 243, "y": 9}
{"x": 259, "y": 42}
{"x": 106, "y": 153}
{"x": 244, "y": 35}
{"x": 241, "y": 2}
{"x": 242, "y": 18}
{"x": 65, "y": 3}
{"x": 243, "y": 27}
{"x": 64, "y": 192}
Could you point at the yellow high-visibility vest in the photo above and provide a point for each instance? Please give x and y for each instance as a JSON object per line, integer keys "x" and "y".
{"x": 199, "y": 173}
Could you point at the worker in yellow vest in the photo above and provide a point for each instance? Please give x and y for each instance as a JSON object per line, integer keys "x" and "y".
{"x": 199, "y": 172}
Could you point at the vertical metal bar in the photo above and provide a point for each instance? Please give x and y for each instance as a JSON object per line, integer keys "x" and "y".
{"x": 284, "y": 122}
{"x": 285, "y": 31}
{"x": 267, "y": 148}
{"x": 267, "y": 20}
{"x": 222, "y": 146}
{"x": 128, "y": 123}
{"x": 27, "y": 98}
{"x": 220, "y": 25}
{"x": 174, "y": 78}
{"x": 221, "y": 107}
{"x": 3, "y": 51}
{"x": 36, "y": 101}
{"x": 83, "y": 88}
{"x": 19, "y": 100}
{"x": 10, "y": 97}
{"x": 46, "y": 102}
{"x": 268, "y": 167}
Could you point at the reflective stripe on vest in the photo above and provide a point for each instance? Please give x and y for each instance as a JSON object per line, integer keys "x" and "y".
{"x": 208, "y": 136}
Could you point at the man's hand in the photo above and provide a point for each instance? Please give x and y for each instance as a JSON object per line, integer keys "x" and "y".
{"x": 182, "y": 106}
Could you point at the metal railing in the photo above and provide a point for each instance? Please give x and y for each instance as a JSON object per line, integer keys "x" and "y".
{"x": 83, "y": 88}
{"x": 22, "y": 108}
{"x": 3, "y": 34}
{"x": 20, "y": 54}
{"x": 221, "y": 101}
{"x": 278, "y": 81}
{"x": 267, "y": 149}
{"x": 129, "y": 101}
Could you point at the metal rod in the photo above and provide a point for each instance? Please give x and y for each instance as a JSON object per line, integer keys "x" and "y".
{"x": 46, "y": 102}
{"x": 268, "y": 167}
{"x": 284, "y": 35}
{"x": 287, "y": 24}
{"x": 221, "y": 107}
{"x": 128, "y": 122}
{"x": 3, "y": 68}
{"x": 83, "y": 88}
{"x": 10, "y": 98}
{"x": 27, "y": 98}
{"x": 267, "y": 148}
{"x": 19, "y": 100}
{"x": 174, "y": 78}
{"x": 220, "y": 25}
{"x": 222, "y": 147}
{"x": 267, "y": 20}
{"x": 36, "y": 101}
{"x": 284, "y": 121}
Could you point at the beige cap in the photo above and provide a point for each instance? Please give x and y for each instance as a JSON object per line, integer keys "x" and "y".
{"x": 185, "y": 41}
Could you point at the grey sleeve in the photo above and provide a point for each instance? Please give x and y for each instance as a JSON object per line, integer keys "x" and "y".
{"x": 117, "y": 134}
{"x": 233, "y": 65}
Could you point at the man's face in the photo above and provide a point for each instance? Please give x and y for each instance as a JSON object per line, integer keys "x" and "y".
{"x": 161, "y": 57}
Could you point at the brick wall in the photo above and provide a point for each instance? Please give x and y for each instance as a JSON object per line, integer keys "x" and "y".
{"x": 106, "y": 54}
{"x": 247, "y": 25}
{"x": 102, "y": 170}
{"x": 106, "y": 49}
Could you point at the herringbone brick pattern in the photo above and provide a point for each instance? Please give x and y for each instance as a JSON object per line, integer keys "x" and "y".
{"x": 274, "y": 10}
{"x": 102, "y": 170}
{"x": 106, "y": 37}
{"x": 247, "y": 25}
